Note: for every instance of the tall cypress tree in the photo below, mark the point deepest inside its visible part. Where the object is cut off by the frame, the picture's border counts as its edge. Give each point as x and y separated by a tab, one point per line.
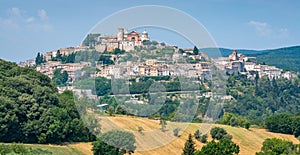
189	146
38	59
196	50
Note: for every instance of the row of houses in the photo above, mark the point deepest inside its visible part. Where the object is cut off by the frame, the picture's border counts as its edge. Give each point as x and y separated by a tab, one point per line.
72	68
266	70
248	65
154	68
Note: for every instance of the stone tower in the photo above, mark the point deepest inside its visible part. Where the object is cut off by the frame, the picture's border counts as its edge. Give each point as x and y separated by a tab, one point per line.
145	35
120	34
234	56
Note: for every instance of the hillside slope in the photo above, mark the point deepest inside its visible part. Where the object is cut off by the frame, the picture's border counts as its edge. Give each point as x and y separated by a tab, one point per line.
250	141
286	58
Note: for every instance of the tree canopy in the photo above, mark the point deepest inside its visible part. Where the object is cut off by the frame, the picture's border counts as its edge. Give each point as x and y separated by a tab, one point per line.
218	133
189	146
114	142
255	100
223	147
278	146
284	123
60	77
32	111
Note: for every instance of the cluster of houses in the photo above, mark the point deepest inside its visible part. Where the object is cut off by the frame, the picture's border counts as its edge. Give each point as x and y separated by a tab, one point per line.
153	67
73	69
124	41
248	66
232	64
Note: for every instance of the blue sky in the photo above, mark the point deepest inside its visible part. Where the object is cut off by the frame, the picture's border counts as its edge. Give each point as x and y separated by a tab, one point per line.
28	27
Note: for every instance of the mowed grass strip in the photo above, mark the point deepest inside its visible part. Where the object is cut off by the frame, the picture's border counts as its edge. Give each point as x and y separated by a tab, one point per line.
55	149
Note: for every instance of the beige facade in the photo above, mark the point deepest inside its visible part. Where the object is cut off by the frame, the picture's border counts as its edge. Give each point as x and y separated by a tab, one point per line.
123	41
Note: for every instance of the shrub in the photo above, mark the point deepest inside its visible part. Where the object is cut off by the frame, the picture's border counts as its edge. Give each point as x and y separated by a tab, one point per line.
176	132
203	138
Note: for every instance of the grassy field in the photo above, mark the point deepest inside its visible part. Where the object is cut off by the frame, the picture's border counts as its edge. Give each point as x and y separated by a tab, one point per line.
250	141
48	149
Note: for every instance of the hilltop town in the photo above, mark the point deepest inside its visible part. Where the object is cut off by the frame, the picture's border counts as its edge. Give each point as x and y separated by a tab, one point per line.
133	54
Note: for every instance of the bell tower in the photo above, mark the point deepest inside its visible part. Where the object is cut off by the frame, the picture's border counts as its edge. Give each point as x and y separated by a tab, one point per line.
145	35
120	34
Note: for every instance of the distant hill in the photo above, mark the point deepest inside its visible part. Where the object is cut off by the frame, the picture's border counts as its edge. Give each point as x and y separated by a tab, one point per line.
287	58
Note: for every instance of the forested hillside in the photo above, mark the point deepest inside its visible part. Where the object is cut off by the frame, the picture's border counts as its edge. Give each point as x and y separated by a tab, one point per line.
258	99
286	58
32	111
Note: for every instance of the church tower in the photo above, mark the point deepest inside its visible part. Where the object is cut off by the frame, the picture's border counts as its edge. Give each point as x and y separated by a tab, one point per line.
120	34
144	36
234	56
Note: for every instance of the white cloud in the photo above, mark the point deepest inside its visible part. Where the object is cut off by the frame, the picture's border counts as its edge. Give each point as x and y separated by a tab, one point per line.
264	29
15	11
30	19
9	23
19	19
43	14
284	32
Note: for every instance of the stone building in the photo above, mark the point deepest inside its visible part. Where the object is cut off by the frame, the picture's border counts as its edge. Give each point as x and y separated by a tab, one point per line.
123	40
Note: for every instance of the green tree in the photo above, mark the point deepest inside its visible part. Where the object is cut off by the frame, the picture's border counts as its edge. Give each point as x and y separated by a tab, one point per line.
223	147
103	86
114	142
197	134
154	42
218	133
70	58
189	146
247	125
227	136
42	138
60	78
296	126
195	50
4	149
163	124
106	59
203	138
39	59
278	146
102	148
176	132
19	149
110	110
118	51
121	110
32	111
234	120
281	123
59	55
